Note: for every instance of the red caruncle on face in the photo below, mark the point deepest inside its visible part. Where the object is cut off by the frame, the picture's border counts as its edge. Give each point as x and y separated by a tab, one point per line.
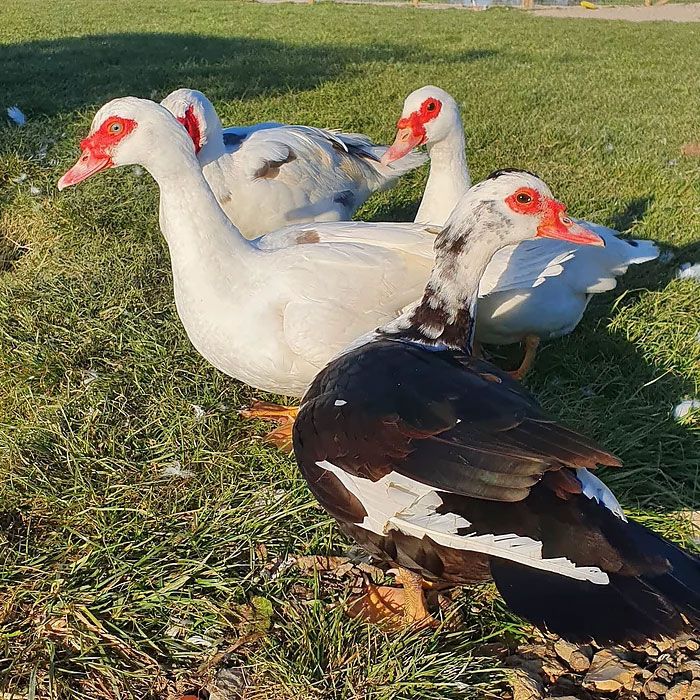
526	200
111	132
191	123
416	121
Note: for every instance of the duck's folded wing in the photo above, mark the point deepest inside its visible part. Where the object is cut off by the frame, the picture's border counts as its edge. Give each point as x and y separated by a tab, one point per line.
363	147
524	266
466	429
415	239
585	269
264	153
351	288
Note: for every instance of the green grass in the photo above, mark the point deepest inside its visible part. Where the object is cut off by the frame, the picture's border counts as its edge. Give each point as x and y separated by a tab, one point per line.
118	580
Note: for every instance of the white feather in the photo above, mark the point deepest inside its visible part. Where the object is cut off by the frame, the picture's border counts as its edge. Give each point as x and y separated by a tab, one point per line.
16	115
596	490
685	407
396	502
689	272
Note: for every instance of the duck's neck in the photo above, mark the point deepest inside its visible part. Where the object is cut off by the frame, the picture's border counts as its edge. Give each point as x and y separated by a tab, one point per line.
448	179
445	316
213	147
200	236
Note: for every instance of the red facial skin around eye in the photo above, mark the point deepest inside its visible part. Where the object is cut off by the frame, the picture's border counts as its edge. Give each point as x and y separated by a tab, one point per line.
190	122
535	206
103	140
416	121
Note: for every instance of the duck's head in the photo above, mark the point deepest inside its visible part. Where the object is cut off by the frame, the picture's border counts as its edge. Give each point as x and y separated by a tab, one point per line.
196	113
429	115
508	207
127	131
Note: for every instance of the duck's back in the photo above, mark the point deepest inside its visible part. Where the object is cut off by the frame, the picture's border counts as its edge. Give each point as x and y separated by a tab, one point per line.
276	175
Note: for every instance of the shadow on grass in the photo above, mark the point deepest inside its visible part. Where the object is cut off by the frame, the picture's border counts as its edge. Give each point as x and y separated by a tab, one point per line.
66	74
634	211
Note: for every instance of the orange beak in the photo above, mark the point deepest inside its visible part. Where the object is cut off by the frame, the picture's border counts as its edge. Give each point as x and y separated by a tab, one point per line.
404	142
87	165
556	224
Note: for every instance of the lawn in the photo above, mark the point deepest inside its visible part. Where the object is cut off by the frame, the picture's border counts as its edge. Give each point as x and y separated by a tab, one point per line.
144	527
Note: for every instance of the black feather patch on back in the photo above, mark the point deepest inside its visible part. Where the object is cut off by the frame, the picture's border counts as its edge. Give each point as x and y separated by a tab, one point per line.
506	171
438	417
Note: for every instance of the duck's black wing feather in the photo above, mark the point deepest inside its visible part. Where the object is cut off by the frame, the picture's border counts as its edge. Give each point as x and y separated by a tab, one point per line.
441	418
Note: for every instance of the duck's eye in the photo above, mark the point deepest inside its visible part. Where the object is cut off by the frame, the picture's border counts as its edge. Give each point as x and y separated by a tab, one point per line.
431	106
566	220
115	128
523	198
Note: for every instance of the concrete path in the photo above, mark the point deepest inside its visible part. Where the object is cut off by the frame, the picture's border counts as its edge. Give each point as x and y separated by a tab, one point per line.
628	13
632	13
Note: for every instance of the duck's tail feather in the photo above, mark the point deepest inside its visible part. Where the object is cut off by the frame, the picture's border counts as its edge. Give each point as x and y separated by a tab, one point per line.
628	609
626	251
389	174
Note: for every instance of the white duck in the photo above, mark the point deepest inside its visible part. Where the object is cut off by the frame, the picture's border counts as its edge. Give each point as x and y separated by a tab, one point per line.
520	303
270	175
269	312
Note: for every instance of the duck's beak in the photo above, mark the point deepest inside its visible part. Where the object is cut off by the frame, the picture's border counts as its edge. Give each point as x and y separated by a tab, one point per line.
556	224
87	165
404	142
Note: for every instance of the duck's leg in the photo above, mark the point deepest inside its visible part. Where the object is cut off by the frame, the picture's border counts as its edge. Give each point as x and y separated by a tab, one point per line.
531	344
284	416
415	611
393	607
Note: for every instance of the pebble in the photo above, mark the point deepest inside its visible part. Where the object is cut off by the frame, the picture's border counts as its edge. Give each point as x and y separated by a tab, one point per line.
526	686
655	688
574	657
680	691
609	673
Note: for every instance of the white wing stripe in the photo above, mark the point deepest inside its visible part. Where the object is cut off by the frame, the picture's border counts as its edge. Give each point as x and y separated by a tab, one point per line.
597	491
399	503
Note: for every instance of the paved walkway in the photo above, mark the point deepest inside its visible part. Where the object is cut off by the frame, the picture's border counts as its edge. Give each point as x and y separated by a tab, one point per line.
669	13
628	13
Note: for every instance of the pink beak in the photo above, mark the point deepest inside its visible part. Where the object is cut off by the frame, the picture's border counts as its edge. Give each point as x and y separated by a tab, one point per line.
556	224
88	164
404	142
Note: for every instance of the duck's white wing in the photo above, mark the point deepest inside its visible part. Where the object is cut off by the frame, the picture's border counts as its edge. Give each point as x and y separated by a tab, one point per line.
363	146
408	237
353	284
584	269
319	158
524	266
263	153
612	261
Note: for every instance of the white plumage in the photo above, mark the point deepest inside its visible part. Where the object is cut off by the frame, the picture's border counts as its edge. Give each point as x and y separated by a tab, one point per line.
396	502
270	175
538	288
273	311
